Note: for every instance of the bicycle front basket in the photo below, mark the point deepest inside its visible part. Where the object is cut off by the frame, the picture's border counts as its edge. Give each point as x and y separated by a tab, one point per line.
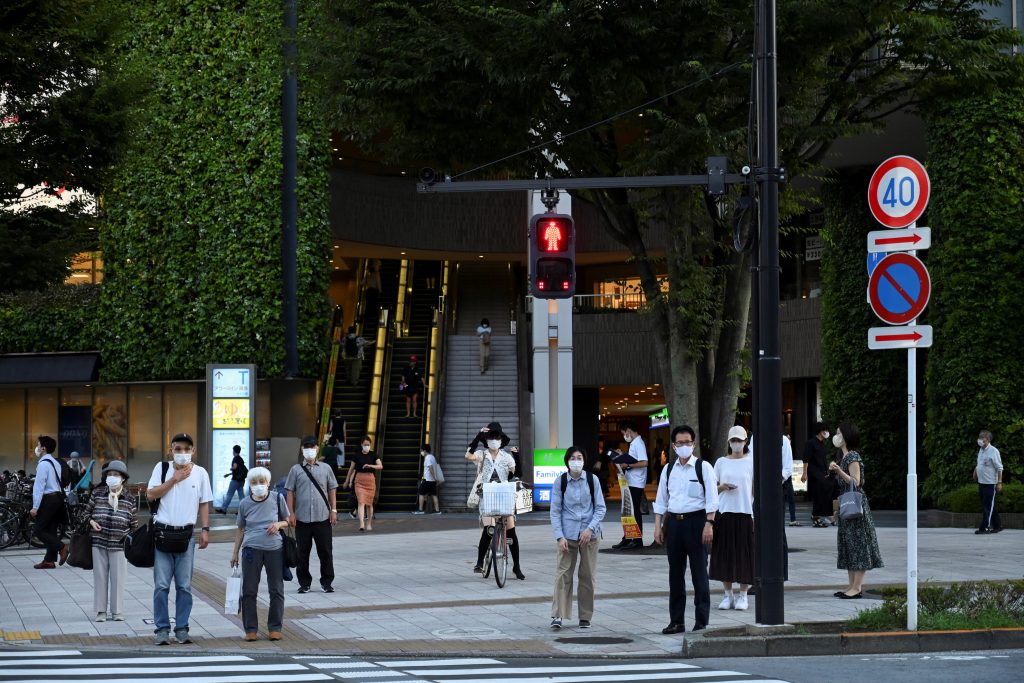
499	499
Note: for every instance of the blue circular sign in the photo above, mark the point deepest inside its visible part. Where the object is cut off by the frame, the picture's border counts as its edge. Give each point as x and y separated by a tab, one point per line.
899	288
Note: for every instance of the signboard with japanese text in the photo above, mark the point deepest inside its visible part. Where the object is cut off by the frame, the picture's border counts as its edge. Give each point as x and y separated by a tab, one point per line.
230	406
547	465
230	413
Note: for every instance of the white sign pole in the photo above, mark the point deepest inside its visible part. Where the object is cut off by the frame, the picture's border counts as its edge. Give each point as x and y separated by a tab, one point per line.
912	484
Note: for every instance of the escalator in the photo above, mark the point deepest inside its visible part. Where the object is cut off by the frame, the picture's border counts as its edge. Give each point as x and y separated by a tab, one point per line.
400	436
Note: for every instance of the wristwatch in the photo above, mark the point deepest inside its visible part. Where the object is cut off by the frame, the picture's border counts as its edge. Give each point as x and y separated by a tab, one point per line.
710	521
205	528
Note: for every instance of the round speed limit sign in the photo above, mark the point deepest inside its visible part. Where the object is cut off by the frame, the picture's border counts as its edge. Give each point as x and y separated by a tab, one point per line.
898	191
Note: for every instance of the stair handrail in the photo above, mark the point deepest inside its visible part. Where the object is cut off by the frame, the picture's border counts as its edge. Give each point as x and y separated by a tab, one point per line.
379	388
327	398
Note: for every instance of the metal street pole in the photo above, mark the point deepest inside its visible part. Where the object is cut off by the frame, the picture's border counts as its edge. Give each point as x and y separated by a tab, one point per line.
289	194
768	427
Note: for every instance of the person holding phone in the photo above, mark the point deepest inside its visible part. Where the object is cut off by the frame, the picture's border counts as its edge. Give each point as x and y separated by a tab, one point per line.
732	555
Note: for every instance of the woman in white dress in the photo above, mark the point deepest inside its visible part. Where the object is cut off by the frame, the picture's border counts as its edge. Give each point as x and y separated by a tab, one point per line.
494	463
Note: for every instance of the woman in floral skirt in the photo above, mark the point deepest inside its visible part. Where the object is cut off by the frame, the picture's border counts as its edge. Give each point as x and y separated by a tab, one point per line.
857	542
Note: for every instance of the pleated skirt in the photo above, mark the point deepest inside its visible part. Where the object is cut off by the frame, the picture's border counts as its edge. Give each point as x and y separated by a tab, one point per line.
732	550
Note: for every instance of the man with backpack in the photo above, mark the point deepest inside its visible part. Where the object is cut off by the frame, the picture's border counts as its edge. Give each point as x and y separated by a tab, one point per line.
688	502
353	347
48	507
577	508
239	471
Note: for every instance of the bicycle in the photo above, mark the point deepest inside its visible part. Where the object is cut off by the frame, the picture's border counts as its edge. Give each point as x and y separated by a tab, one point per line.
497	552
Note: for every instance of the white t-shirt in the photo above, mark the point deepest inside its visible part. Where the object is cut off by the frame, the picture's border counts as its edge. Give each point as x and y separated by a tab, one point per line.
636	475
740	473
180	505
429	462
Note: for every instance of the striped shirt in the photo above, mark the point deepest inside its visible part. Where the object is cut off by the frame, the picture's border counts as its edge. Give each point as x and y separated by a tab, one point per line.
114	524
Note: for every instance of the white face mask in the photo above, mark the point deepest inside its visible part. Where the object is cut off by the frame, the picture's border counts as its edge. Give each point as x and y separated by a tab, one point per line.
627	438
837	440
182	459
494	444
38	451
981	444
309	453
575	466
736	447
366	449
114	481
259	490
684	451
827	434
423	454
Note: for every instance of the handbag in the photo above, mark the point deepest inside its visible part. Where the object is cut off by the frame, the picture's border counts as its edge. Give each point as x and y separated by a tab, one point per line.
233	592
288	546
172	541
139	547
474	495
438	474
81	550
851	504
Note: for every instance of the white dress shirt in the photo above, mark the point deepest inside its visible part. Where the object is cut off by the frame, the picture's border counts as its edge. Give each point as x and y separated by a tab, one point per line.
787	457
636	475
683	493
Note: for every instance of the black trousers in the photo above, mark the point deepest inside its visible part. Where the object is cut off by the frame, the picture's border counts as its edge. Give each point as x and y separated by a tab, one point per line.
789	497
306	533
636	493
989	516
683	544
49	517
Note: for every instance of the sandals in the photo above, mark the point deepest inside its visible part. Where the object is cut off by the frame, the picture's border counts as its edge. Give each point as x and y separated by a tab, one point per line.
820	524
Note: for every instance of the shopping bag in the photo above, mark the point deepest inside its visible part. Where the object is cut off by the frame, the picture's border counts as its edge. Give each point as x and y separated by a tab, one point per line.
851	504
438	474
81	550
233	592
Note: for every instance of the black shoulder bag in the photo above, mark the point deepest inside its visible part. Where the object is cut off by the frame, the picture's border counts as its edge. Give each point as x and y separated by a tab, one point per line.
139	545
290	548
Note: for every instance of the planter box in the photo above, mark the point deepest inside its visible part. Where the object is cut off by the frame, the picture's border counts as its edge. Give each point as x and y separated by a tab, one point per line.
968	520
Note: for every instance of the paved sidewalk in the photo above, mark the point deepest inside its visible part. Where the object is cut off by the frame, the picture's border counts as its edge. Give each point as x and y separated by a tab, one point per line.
408	588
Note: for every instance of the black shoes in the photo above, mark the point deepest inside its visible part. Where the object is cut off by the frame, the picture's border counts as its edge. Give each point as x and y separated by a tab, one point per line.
519	575
478	569
328	589
698	627
628	544
673	629
584	623
856	596
303	589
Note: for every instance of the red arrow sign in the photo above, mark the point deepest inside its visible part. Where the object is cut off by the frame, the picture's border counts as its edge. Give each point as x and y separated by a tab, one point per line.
885	241
899	240
899	337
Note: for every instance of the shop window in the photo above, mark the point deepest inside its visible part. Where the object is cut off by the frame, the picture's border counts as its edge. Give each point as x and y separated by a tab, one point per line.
42	417
145	433
12	427
86	269
110	424
623	293
181	412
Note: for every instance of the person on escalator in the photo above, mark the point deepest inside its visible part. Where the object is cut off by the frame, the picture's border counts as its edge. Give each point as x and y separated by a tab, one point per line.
353	347
411	385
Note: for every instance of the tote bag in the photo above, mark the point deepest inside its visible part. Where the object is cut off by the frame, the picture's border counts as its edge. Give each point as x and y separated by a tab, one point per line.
851	504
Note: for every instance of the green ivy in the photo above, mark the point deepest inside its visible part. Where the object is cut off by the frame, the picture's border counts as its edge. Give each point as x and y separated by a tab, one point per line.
192	249
977	218
866	388
62	318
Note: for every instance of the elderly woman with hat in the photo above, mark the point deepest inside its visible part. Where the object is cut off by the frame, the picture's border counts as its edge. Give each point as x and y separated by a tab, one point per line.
732	554
494	463
111	517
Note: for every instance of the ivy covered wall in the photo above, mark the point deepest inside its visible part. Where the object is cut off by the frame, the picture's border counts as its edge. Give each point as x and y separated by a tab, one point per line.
975	374
867	388
192	243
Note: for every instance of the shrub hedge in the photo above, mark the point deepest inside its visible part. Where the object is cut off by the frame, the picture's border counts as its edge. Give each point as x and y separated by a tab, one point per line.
966	499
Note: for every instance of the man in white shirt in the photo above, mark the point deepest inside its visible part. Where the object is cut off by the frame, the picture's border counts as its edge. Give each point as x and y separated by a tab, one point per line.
182	492
689	508
428	484
989	475
636	477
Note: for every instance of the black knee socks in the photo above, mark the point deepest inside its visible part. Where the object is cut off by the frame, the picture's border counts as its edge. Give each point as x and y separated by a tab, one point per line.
513	544
481	549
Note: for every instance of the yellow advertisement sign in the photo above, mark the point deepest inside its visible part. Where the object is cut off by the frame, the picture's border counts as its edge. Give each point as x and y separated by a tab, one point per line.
231	413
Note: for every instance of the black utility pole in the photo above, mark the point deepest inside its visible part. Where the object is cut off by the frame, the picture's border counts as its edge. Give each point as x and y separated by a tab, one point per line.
768	376
289	194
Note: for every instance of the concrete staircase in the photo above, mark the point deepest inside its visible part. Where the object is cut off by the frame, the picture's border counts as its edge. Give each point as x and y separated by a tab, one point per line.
485	291
472	400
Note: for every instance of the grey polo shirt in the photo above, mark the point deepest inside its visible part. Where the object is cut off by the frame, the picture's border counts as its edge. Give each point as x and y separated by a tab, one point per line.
309	504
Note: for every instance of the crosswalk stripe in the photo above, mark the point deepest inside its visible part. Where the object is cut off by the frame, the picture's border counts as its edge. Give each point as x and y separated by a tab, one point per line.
242	678
135	660
85	670
330	666
551	670
40	653
422	663
601	678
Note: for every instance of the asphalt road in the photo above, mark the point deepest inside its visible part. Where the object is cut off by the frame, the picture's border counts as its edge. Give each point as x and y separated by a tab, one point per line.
175	662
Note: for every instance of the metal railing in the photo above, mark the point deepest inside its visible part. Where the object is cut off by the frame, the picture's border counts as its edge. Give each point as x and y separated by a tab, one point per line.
625	301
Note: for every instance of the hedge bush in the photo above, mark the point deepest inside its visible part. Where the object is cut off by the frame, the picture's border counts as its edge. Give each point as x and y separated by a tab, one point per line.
981	604
966	499
61	318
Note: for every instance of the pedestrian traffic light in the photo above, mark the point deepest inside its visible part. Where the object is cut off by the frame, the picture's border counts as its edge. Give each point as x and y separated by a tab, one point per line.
552	256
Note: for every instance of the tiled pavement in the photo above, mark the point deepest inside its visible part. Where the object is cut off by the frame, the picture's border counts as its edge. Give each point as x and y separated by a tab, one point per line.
413	592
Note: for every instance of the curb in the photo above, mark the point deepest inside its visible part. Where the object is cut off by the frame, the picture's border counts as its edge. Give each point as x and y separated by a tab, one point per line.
869	643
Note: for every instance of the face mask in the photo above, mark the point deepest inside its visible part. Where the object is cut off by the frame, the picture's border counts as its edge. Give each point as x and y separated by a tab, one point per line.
38	451
366	449
423	454
182	459
827	435
309	453
736	447
837	440
981	444
627	439
684	451
113	481
494	444
575	466
259	490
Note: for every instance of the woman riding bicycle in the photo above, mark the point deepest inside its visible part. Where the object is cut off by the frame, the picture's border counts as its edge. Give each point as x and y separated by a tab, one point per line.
494	464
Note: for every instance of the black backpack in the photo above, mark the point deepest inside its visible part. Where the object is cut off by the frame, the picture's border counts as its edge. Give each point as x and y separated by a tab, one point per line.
590	484
351	347
64	474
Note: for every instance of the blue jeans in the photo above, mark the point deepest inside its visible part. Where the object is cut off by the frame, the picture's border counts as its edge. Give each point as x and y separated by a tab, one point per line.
179	567
232	487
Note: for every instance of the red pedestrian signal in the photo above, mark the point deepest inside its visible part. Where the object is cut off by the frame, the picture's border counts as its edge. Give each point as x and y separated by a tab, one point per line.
552	256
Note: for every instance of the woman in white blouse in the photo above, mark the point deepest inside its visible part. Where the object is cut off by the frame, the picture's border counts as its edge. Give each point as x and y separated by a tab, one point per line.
495	464
732	554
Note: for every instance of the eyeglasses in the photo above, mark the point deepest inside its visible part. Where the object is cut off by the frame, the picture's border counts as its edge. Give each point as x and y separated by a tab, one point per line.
683	443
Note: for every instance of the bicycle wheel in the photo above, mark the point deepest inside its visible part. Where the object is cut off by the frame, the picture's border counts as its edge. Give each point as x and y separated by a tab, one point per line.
500	545
10	523
488	557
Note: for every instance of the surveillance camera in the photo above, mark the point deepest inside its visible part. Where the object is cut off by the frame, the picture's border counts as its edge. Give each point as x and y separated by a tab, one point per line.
745	170
428	175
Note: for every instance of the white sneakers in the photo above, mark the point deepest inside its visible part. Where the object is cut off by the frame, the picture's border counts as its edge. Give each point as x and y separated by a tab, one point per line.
734	601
